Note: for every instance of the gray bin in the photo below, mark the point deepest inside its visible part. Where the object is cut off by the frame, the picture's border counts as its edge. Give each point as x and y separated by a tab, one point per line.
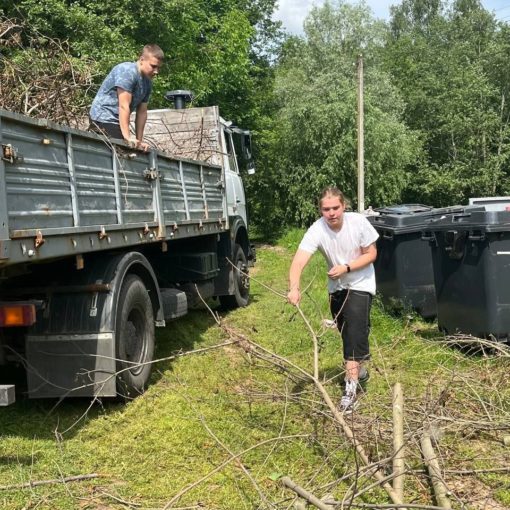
471	265
403	268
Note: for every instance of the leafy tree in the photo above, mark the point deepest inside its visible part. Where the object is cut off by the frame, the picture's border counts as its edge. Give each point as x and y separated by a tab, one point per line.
447	60
314	143
211	44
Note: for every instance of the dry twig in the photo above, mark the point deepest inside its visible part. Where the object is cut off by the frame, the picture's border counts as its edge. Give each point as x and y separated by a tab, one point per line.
38	483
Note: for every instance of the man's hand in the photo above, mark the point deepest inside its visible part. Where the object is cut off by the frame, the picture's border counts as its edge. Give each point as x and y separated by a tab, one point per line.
337	271
142	145
294	296
137	144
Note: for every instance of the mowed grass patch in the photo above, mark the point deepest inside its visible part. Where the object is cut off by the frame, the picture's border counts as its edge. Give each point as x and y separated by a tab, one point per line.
202	408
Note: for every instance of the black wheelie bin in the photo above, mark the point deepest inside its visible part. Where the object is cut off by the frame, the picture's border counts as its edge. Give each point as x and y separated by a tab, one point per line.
471	265
403	268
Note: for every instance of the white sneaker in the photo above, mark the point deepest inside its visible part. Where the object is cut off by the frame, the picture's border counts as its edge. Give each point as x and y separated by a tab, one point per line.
349	402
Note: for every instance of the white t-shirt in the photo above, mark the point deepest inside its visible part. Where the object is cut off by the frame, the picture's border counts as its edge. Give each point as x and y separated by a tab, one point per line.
343	247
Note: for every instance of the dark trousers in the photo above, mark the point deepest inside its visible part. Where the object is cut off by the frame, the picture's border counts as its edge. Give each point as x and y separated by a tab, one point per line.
106	128
351	311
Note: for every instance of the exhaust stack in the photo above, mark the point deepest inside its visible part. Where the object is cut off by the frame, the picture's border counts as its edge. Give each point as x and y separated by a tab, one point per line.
179	98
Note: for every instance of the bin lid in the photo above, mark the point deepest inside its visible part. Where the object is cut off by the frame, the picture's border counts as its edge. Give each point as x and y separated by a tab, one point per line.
473	219
406	218
404	209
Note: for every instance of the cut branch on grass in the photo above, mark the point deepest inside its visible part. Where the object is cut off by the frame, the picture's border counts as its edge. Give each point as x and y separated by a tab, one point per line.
430	458
106	494
325	395
398	440
476	471
303	493
256	348
38	483
218	468
114	375
486	346
389	506
432	407
248	475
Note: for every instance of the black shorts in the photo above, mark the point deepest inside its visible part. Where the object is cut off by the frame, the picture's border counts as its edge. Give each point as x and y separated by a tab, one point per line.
351	311
106	128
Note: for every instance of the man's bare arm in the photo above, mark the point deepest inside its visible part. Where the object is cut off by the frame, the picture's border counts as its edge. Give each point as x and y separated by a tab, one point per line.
368	255
140	121
124	111
301	259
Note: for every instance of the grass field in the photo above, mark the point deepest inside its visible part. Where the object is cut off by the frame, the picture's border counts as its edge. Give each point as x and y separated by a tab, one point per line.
242	422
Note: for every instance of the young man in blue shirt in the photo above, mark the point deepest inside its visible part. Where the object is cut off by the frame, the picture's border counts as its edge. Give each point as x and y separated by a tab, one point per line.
126	89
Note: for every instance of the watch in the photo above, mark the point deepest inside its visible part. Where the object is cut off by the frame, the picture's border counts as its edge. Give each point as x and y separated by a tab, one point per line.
348	267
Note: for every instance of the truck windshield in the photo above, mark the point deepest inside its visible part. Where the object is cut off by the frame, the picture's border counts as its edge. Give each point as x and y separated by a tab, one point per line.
231	152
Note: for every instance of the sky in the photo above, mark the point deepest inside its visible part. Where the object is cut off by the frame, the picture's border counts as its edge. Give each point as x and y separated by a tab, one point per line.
293	12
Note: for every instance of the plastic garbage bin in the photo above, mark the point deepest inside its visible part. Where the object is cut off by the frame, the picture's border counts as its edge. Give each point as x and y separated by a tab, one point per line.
471	265
403	268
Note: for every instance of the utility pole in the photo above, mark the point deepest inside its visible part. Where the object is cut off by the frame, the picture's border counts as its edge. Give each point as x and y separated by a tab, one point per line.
361	146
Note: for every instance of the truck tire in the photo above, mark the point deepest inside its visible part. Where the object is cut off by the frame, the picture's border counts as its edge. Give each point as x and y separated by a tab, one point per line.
134	338
241	282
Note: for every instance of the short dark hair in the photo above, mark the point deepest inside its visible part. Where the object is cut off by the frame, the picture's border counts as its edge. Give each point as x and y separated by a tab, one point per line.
154	50
332	191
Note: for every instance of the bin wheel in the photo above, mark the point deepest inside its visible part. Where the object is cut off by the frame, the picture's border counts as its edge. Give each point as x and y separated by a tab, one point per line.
134	338
241	281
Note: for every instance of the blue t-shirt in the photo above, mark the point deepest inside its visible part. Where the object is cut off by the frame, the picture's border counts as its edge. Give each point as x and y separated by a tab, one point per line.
105	107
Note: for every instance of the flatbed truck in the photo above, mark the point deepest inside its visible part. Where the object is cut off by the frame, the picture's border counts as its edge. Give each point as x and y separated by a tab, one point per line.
101	243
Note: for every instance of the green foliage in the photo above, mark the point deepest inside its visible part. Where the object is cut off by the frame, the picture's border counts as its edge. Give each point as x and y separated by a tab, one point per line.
211	47
315	144
446	60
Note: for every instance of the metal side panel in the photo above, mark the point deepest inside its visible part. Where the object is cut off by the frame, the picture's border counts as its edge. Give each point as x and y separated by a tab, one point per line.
95	181
69	192
213	191
37	185
71	365
136	191
174	208
194	194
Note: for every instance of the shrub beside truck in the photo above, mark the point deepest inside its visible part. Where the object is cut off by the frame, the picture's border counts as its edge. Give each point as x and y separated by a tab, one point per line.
101	243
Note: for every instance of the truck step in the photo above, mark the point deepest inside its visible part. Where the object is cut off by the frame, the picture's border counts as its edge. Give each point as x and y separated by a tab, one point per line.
175	303
7	396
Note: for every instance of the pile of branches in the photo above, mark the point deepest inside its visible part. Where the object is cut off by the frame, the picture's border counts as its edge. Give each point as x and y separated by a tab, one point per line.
440	446
41	77
423	442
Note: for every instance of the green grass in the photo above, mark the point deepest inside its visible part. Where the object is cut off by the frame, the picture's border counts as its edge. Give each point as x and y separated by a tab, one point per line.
146	451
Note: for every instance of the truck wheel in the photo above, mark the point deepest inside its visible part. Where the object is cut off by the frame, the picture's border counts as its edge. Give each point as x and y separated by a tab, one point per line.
134	337
241	282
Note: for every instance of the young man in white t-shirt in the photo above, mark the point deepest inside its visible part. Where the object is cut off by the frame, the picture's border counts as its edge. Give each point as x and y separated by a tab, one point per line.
347	242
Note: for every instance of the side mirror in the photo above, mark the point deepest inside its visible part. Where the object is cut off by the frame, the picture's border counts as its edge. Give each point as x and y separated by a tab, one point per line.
246	146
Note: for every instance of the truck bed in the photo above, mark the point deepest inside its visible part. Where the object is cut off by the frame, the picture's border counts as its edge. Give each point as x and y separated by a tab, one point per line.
66	192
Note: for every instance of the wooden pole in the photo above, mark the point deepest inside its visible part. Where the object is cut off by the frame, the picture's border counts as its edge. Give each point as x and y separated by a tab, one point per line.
398	440
316	502
361	146
430	458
